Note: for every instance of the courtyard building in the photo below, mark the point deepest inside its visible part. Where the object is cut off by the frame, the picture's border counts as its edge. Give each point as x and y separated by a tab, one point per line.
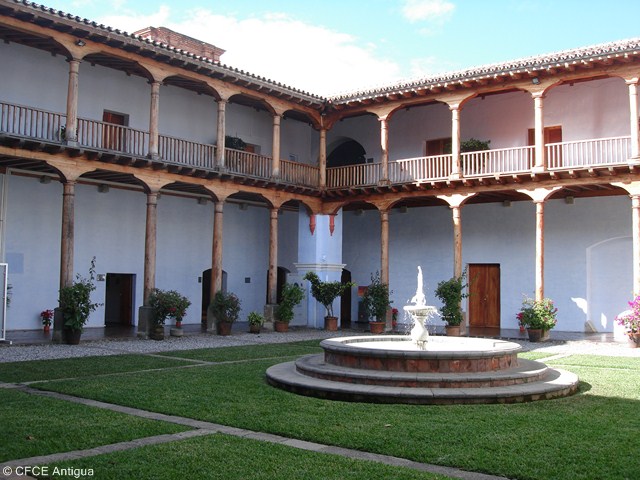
176	171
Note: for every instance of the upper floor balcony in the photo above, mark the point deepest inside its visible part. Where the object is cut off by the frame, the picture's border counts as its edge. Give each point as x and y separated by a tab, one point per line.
45	130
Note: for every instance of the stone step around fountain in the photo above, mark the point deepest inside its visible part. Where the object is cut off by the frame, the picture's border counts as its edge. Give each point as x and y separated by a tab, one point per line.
526	371
553	383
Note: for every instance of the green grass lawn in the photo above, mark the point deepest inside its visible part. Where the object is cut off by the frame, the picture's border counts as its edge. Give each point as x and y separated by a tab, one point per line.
32	425
590	435
230	458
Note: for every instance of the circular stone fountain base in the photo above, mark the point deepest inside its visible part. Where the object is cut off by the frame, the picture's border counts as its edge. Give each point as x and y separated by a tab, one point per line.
392	369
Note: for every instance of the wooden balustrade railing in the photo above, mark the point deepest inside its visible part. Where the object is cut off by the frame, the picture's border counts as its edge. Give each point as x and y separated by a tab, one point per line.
108	136
186	152
585	153
502	160
354	175
31	122
299	173
50	126
246	163
435	167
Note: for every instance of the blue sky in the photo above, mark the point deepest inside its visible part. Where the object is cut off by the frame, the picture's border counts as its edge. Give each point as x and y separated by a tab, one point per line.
332	46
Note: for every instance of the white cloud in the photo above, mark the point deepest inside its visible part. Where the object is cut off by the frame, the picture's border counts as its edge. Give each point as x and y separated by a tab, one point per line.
277	46
429	10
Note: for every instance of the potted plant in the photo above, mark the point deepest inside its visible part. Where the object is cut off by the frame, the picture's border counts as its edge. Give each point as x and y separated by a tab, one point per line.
325	293
46	316
76	306
226	309
292	295
451	292
166	304
255	322
630	320
376	303
539	316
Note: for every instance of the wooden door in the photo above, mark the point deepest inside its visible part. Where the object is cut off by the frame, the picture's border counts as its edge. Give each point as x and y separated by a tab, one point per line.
484	295
113	134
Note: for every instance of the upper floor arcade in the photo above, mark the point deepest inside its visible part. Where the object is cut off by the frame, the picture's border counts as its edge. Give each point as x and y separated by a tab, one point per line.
86	91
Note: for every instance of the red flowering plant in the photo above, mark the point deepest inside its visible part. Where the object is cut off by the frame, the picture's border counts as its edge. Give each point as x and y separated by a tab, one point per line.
394	317
630	319
47	317
538	314
168	303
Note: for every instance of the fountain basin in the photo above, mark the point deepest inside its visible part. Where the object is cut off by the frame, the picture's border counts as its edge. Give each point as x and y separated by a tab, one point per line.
393	369
401	354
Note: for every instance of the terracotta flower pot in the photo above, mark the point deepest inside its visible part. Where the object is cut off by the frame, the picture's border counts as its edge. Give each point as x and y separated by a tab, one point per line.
634	340
377	327
224	328
254	328
72	337
331	324
281	327
157	332
46	328
452	330
537	334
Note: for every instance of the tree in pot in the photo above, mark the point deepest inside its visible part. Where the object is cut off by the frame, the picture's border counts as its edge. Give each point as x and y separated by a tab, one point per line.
226	310
292	295
166	304
325	293
255	322
451	292
376	303
76	306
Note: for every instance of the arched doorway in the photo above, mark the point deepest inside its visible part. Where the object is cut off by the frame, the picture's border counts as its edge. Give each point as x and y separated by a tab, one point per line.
346	153
345	301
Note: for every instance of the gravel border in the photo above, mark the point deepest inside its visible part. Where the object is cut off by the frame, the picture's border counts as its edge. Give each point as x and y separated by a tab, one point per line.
20	353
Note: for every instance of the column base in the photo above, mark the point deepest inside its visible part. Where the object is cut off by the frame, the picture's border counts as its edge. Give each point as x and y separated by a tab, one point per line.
58	326
269	316
455	176
538	169
145	320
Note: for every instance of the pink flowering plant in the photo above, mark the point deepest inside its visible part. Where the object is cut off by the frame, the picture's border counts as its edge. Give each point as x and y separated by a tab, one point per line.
630	319
538	314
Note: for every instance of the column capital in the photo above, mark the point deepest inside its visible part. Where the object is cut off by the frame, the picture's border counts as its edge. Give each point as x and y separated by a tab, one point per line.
540	194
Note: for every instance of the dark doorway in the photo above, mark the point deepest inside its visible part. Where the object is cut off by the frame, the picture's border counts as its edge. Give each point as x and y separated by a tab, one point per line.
345	301
119	299
206	292
112	131
347	153
281	280
484	297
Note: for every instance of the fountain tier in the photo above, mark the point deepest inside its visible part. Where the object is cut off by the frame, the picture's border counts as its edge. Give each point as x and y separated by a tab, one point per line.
393	369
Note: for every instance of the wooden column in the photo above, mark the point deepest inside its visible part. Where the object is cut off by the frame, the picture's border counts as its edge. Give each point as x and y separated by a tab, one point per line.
635	235
384	255
71	128
272	280
222	108
540	161
153	119
275	165
539	249
150	246
456	167
633	118
384	145
322	158
216	266
457	240
67	243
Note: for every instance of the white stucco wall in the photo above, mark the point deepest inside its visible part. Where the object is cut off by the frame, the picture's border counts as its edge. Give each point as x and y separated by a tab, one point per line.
185	114
33	77
493	233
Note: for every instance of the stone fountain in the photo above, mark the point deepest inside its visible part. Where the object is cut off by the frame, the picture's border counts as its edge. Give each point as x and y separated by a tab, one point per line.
419	369
420	313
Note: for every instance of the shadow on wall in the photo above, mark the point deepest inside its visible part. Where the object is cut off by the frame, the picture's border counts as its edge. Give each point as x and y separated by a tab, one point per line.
609	281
